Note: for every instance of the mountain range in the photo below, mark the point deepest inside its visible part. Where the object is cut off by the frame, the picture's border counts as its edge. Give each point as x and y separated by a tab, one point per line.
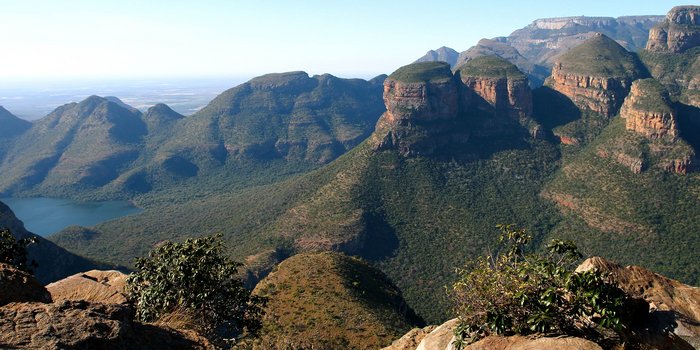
410	171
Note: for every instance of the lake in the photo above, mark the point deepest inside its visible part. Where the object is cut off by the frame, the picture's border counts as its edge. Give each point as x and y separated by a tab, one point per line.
45	216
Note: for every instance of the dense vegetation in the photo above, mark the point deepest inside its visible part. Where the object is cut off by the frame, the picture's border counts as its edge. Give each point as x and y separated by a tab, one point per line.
423	72
601	56
489	67
13	251
194	280
331	301
511	292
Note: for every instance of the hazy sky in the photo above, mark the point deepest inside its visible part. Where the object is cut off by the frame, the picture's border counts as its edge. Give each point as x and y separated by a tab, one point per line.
75	39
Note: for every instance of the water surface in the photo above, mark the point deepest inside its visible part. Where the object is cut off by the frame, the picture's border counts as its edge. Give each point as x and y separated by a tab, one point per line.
45	216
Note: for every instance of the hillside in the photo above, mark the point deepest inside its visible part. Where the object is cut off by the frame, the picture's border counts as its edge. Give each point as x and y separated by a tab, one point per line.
12	125
54	262
431	175
331	301
261	131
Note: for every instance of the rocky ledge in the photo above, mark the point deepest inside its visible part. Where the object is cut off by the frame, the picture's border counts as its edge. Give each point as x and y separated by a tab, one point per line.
678	32
596	75
647	110
500	84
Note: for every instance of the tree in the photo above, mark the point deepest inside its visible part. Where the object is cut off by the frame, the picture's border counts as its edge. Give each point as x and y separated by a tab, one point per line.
14	251
195	278
516	293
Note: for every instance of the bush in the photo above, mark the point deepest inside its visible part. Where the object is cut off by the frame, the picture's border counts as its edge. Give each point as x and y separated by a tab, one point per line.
194	279
14	251
515	293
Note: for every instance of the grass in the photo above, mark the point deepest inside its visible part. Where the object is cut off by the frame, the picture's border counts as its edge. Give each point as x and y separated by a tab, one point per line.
653	96
490	67
601	56
423	72
331	301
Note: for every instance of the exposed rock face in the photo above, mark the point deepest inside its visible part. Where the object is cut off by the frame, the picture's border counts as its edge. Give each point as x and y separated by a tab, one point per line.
441	338
443	54
596	76
83	325
499	83
19	286
421	99
94	286
675	305
679	31
411	339
648	112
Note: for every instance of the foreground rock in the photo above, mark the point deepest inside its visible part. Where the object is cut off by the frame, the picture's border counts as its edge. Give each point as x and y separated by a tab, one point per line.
678	32
94	286
675	306
84	325
17	285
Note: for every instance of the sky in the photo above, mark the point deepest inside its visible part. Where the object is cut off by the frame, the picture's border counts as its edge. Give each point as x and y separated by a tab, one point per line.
127	39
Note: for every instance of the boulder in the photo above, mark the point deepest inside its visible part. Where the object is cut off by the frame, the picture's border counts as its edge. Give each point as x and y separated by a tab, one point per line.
94	286
84	325
19	286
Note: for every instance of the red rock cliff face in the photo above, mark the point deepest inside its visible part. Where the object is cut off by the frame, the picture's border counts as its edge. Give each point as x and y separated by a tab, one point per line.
649	122
602	95
422	101
509	97
679	32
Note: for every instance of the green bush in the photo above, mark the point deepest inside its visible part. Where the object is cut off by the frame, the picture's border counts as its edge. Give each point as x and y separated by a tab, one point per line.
14	251
516	293
194	278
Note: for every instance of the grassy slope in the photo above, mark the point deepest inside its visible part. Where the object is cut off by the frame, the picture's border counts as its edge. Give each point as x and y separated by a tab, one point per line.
490	66
331	301
601	56
422	72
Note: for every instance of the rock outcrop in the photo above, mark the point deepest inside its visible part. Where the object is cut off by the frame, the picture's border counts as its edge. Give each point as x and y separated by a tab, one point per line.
500	84
84	325
596	75
411	339
19	286
95	286
675	305
647	110
678	32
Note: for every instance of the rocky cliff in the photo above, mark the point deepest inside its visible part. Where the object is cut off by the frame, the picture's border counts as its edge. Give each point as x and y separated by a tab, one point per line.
674	306
500	84
647	110
678	32
596	75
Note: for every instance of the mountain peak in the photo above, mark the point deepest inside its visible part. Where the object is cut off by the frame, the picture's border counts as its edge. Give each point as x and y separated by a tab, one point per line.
599	56
490	67
161	110
678	32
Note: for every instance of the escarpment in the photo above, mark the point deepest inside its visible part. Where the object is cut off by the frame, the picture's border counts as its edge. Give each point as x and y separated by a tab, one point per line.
500	84
596	76
678	32
430	110
647	111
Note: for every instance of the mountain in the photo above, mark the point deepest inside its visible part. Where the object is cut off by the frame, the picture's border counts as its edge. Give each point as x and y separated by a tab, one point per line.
263	130
488	47
678	32
534	48
331	301
432	176
12	125
79	145
54	262
443	54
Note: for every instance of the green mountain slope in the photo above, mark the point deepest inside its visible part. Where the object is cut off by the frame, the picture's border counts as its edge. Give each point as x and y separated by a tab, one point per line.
331	301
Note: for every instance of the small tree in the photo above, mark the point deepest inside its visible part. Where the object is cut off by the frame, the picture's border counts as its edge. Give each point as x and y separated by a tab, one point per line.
195	278
14	251
515	293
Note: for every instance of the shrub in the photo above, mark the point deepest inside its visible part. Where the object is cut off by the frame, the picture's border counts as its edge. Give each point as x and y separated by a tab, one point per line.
515	293
14	251
194	279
